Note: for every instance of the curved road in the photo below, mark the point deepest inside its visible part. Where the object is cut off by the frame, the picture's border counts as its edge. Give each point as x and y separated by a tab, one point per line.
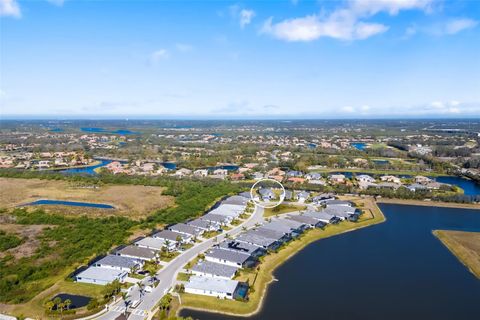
168	274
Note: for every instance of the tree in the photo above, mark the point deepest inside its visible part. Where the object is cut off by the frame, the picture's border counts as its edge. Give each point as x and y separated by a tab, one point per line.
67	303
49	305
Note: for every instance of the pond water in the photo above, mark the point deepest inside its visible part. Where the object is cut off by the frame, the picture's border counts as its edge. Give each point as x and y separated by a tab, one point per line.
70	203
394	270
359	145
77	301
225	167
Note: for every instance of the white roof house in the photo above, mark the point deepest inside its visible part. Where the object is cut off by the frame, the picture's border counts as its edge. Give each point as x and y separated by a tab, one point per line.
101	276
118	262
214	287
154	244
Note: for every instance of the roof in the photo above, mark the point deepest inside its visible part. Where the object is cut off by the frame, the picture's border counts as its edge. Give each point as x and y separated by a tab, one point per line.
266	192
303	219
238	246
199	223
212	284
319	215
270	233
217	269
230	210
338	203
103	274
215	218
117	261
237	200
139	252
292	224
168	235
245	195
185	228
155	243
303	194
228	255
255	238
277	226
340	211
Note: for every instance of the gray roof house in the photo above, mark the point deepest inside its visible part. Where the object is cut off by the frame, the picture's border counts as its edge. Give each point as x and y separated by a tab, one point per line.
296	226
329	203
214	287
266	194
213	269
101	276
217	218
322	198
251	249
237	200
186	229
288	195
245	194
228	257
155	244
321	216
273	234
341	212
277	226
138	253
204	225
312	222
302	195
230	210
118	263
257	239
172	236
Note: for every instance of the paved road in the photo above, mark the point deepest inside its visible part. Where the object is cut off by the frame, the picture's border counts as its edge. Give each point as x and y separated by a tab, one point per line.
168	274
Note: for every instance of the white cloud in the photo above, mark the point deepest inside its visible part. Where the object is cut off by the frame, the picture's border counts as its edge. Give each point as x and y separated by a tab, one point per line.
457	25
246	17
338	26
348	109
183	47
344	23
159	55
392	7
10	8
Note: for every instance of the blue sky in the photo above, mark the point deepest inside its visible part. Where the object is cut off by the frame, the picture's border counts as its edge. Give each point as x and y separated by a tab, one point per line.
324	59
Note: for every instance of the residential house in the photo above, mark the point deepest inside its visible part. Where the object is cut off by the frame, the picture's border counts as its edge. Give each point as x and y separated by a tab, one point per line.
172	236
311	222
118	263
204	225
186	229
256	238
200	173
322	198
137	253
392	179
302	196
102	276
155	244
215	287
217	219
214	270
233	245
266	194
229	257
337	178
322	216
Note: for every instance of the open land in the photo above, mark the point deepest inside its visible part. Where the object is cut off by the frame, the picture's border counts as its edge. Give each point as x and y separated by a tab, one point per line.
130	201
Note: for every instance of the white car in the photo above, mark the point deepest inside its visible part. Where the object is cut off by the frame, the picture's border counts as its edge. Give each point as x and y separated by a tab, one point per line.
148	289
135	304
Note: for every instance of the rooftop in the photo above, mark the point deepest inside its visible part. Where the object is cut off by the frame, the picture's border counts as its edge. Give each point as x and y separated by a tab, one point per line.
212	284
117	261
217	269
104	274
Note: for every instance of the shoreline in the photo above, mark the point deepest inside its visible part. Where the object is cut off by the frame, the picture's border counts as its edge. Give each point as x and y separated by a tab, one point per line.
293	248
429	203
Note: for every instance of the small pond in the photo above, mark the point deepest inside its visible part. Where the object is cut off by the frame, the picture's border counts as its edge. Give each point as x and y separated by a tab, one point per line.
70	203
77	301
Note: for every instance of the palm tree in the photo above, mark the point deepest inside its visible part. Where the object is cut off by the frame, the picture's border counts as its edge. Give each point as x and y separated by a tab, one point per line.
125	298
57	301
49	305
141	287
67	303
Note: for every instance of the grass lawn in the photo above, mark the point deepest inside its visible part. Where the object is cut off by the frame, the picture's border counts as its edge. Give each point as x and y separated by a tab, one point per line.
210	234
464	245
169	257
270	262
35	307
183	276
283	208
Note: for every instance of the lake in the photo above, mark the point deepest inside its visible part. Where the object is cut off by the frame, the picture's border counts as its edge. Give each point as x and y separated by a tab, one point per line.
394	270
102	130
88	170
69	203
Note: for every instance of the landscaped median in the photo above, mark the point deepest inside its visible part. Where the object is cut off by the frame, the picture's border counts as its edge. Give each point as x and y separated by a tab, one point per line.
262	276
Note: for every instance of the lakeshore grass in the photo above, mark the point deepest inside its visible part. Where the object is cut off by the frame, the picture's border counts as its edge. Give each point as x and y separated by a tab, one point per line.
464	245
261	277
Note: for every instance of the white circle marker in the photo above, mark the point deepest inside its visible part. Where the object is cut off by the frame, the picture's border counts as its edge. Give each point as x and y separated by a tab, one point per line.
266	205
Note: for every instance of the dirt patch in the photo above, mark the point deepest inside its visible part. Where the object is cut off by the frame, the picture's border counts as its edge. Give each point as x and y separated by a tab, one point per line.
132	201
27	232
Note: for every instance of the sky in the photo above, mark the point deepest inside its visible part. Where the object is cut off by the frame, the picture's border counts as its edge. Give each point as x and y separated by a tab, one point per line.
245	59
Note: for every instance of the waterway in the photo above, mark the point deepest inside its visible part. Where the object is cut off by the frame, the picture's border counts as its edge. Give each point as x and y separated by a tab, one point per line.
394	270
